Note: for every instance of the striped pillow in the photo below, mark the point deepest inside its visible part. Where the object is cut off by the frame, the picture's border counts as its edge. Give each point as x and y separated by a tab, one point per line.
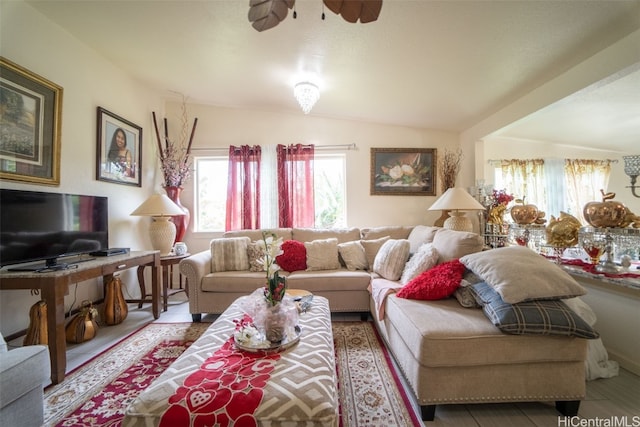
229	254
391	259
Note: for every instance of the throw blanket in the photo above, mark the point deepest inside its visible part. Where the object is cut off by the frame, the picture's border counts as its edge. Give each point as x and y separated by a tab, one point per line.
380	289
226	390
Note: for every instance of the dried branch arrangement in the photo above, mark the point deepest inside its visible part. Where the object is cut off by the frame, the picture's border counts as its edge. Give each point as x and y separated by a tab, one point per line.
448	168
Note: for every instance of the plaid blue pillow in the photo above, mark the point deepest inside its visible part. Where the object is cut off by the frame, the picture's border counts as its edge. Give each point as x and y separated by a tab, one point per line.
537	317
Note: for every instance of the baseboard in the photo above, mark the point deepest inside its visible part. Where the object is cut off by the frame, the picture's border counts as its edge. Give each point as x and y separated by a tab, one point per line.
632	366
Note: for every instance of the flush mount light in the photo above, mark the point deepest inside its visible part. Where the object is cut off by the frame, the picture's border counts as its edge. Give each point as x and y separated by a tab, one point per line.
307	95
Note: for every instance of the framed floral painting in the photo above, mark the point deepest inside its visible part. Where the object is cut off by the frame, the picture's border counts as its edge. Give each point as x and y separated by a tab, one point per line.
119	153
30	123
403	171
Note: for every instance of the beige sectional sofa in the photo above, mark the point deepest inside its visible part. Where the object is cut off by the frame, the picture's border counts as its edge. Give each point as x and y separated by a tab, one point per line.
449	354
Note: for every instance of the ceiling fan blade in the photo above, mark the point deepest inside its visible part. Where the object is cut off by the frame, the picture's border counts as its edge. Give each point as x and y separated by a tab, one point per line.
265	14
370	10
352	10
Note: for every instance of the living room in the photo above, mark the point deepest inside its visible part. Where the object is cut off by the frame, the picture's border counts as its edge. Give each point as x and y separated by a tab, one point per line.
90	80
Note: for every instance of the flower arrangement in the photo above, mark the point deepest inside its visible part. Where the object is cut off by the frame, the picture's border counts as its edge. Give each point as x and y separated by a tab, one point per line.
501	197
276	285
175	158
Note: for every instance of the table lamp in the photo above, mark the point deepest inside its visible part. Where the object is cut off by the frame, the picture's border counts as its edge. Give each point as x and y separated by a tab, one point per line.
161	231
457	199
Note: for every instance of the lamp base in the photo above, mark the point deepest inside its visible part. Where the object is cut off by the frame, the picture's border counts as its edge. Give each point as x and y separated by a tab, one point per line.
458	222
162	233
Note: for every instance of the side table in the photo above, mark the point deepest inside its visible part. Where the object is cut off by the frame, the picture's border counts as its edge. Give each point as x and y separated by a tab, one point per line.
166	263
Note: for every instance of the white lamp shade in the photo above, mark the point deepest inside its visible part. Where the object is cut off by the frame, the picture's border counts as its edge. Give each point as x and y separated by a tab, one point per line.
158	205
162	232
456	198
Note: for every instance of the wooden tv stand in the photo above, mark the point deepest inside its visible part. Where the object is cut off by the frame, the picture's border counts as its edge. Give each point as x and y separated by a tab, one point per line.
54	286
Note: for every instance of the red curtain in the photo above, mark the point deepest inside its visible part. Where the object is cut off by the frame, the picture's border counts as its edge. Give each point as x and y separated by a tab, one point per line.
295	186
243	188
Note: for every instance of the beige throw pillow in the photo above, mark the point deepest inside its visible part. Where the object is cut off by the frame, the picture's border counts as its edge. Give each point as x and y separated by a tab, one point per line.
229	254
425	258
371	248
452	244
255	252
519	274
420	235
352	253
391	258
322	254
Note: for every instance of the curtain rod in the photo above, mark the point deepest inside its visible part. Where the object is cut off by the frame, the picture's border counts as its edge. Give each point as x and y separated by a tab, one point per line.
499	161
317	147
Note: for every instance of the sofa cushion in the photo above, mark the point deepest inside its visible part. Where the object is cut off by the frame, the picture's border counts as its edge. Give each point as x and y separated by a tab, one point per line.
434	284
424	259
519	274
464	294
393	231
442	333
352	254
229	254
255	252
371	248
452	244
322	254
329	280
420	235
311	234
391	259
539	317
294	256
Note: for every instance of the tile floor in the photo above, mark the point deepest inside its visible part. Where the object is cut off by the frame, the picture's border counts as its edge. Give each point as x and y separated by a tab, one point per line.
612	401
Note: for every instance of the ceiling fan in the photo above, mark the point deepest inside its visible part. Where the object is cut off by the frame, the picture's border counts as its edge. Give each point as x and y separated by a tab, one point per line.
265	14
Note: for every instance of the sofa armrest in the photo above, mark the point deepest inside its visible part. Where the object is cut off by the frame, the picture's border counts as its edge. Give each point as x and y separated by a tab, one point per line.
22	370
195	268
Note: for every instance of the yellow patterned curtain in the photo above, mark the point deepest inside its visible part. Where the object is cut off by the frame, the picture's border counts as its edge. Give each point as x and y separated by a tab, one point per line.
525	178
584	180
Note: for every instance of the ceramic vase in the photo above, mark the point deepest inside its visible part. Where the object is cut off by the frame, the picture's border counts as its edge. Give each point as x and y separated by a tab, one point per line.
181	221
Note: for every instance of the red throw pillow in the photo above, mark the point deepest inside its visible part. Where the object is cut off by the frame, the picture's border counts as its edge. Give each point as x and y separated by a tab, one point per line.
438	282
294	257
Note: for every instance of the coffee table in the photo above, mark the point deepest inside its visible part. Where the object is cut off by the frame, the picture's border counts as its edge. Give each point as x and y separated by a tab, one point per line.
302	389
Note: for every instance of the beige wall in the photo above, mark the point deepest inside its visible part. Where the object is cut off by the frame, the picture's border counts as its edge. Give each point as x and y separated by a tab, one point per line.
221	127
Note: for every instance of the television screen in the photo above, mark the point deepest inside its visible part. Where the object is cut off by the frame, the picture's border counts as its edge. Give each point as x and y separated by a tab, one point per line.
36	226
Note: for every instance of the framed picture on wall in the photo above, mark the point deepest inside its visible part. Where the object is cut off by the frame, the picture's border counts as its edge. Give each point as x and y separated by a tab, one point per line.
119	154
30	121
403	171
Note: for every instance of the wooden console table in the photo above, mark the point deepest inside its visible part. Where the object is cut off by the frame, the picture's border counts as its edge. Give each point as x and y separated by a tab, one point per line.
54	286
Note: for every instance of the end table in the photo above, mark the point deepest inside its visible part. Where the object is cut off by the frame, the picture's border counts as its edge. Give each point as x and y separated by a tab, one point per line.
167	263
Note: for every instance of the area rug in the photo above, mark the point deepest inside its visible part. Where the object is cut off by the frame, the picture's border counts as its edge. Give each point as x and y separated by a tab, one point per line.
98	392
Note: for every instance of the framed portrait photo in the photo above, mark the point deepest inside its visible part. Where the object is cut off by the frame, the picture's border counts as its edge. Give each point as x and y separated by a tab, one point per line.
30	123
119	153
403	171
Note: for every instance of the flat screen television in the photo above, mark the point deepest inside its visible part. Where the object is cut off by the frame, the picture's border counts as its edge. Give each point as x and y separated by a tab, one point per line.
38	226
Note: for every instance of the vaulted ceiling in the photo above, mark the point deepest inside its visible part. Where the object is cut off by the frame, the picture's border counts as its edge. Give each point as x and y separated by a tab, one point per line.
429	64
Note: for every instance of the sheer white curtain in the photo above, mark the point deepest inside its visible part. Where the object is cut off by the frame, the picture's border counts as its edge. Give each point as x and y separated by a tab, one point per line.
525	179
554	182
584	180
269	188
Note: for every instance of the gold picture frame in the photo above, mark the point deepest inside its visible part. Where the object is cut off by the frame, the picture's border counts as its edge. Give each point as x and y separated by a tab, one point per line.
403	171
31	122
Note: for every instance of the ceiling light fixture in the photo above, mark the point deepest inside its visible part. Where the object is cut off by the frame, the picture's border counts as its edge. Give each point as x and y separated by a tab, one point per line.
632	168
307	95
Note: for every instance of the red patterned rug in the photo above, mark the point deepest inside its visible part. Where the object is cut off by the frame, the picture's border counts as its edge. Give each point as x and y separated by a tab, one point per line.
97	393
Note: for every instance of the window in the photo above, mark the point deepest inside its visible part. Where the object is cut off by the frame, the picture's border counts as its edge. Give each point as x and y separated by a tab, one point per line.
554	185
210	182
210	193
